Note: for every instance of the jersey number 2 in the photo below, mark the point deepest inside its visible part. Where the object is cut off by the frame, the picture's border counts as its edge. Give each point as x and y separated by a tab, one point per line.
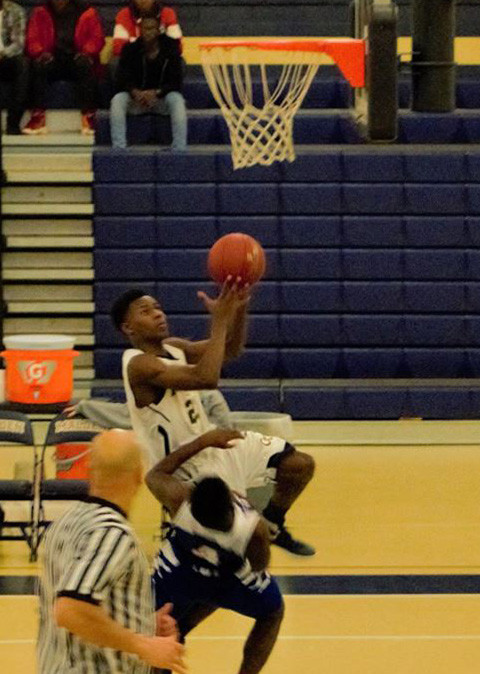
192	414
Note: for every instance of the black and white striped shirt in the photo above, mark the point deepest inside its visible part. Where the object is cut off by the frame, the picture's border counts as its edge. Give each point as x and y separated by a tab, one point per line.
92	554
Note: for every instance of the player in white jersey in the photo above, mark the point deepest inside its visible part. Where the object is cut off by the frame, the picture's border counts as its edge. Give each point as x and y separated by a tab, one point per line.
216	552
163	376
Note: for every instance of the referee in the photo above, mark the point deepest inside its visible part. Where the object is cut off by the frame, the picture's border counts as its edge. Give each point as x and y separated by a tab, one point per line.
96	604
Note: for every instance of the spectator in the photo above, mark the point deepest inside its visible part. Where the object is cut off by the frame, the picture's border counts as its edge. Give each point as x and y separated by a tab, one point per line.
128	19
13	64
149	79
64	40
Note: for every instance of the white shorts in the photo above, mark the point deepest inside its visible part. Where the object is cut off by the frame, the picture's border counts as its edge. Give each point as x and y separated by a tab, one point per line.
248	463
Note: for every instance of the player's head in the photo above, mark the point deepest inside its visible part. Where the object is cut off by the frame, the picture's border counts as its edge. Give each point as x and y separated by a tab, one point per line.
212	505
139	317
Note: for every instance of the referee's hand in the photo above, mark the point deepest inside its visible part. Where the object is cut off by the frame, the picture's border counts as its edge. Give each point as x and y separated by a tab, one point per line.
163	652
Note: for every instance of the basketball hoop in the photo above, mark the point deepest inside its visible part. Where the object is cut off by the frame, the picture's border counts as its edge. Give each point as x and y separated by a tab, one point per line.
260	118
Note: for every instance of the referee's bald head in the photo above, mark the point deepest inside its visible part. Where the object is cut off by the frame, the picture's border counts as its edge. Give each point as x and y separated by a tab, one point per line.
115	457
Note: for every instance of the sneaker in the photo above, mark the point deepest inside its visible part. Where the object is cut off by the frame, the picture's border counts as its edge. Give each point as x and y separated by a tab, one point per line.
88	123
37	124
286	541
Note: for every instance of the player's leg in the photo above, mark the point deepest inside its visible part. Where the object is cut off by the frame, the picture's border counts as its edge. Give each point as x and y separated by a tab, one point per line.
294	470
260	460
260	599
260	642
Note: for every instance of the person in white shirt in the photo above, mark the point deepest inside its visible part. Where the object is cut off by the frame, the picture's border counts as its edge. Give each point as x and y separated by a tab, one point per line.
163	376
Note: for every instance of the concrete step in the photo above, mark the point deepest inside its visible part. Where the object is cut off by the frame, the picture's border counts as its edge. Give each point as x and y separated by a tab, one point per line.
84	373
48	292
48	162
36	242
84	360
47	195
41	227
48	325
47	260
26	307
49	177
72	139
60	274
47	209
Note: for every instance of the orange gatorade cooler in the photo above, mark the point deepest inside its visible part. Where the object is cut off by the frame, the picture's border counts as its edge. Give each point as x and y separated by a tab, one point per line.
73	461
39	369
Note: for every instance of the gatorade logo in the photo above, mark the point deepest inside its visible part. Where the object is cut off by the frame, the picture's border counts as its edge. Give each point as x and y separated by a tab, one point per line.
37	372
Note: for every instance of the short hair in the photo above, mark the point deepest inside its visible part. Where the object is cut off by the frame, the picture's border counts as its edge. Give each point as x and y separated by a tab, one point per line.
122	304
211	502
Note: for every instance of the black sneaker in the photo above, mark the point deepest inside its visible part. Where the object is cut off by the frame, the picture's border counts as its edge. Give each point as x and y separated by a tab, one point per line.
287	542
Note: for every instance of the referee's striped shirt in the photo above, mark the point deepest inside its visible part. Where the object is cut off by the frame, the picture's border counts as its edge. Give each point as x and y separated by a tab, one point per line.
92	554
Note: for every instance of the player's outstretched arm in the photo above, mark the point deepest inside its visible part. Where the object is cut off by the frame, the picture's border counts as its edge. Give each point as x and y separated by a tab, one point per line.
159	479
147	370
236	329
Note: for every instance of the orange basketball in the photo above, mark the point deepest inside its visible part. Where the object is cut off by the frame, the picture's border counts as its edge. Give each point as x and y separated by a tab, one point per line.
235	255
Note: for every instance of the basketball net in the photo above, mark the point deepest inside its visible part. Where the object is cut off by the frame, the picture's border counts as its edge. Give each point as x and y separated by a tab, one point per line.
261	131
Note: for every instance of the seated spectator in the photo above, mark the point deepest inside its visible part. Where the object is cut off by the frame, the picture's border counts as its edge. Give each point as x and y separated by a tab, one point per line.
13	64
149	80
127	23
64	40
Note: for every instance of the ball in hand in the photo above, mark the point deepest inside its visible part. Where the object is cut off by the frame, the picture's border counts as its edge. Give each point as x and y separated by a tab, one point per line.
236	255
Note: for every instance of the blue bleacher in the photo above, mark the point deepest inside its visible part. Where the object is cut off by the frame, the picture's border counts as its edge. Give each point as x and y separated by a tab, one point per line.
372	270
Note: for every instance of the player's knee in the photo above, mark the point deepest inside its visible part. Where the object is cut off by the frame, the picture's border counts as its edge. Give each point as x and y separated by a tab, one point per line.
298	465
275	617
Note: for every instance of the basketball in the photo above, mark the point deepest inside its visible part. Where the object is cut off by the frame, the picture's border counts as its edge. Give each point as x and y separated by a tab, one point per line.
235	255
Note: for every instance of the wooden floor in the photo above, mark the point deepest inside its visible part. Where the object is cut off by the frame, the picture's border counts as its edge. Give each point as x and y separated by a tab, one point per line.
391	501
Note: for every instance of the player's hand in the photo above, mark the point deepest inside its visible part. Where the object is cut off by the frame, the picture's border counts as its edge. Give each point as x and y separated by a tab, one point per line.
222	438
162	652
166	624
70	411
233	294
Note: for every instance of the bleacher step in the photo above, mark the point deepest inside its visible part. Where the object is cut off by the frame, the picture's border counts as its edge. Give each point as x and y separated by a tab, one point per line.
47	260
39	194
47	209
48	325
48	162
48	292
46	177
48	241
48	140
57	307
40	227
60	274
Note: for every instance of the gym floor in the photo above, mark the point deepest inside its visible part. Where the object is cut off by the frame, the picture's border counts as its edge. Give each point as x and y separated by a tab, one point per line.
394	587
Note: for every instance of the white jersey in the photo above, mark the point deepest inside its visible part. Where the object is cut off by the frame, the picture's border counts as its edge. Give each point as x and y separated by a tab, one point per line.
177	418
206	551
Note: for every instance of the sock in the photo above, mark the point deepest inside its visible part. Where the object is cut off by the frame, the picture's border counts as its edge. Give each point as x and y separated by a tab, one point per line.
275	517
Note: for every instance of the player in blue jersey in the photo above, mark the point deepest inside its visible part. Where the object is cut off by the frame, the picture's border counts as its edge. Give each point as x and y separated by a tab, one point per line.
216	552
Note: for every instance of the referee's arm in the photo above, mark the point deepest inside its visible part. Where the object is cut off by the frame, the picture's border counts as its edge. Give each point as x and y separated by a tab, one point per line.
100	561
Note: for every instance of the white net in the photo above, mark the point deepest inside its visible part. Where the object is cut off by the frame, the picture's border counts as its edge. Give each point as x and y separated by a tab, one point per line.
258	101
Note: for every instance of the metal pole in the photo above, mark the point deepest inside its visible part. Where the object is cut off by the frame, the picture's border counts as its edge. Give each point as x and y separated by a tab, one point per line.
433	66
3	180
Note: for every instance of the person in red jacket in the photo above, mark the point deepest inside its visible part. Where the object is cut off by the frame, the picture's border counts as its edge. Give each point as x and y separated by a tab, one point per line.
64	39
128	19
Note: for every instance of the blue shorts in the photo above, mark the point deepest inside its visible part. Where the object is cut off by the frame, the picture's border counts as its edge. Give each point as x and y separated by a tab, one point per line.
185	588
